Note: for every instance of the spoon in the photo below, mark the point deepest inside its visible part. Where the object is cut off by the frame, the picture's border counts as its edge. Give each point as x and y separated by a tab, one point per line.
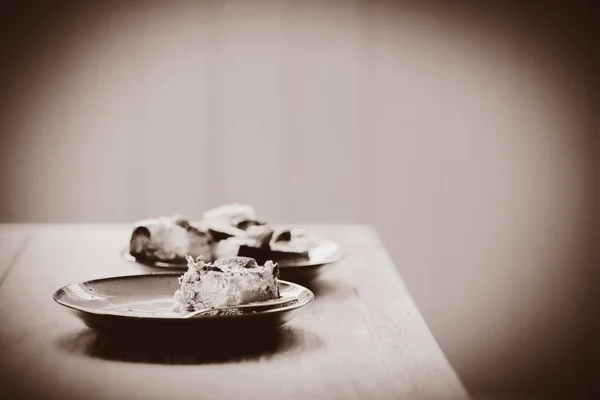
259	306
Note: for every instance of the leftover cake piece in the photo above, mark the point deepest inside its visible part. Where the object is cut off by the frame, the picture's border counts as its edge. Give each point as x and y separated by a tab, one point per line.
228	281
230	211
245	223
257	236
239	216
239	232
261	234
169	239
262	254
264	243
285	245
221	230
230	247
293	240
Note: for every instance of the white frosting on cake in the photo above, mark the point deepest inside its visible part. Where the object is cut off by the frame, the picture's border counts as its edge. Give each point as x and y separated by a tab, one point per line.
230	212
300	241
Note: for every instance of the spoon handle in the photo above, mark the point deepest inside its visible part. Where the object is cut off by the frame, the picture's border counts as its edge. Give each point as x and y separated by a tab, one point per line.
262	306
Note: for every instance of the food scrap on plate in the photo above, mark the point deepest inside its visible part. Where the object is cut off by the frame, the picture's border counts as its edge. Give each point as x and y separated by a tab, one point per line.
227	282
169	239
226	231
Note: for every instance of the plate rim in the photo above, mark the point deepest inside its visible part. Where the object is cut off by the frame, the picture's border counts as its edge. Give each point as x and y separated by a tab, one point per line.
96	312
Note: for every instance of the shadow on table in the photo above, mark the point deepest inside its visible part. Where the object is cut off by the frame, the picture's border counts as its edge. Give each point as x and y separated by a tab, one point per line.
329	288
210	349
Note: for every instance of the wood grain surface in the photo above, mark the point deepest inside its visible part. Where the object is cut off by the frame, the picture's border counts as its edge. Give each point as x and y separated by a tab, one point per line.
13	239
363	336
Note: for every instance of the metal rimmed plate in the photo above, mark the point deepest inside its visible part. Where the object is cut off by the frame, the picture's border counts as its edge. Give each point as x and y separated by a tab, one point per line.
328	252
142	305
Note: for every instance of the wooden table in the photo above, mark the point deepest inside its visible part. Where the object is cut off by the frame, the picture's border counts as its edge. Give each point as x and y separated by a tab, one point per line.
361	338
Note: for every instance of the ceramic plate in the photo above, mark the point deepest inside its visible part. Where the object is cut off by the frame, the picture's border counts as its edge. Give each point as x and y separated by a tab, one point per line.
328	252
142	305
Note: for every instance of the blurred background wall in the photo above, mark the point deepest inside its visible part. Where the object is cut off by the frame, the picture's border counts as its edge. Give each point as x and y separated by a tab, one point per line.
463	131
